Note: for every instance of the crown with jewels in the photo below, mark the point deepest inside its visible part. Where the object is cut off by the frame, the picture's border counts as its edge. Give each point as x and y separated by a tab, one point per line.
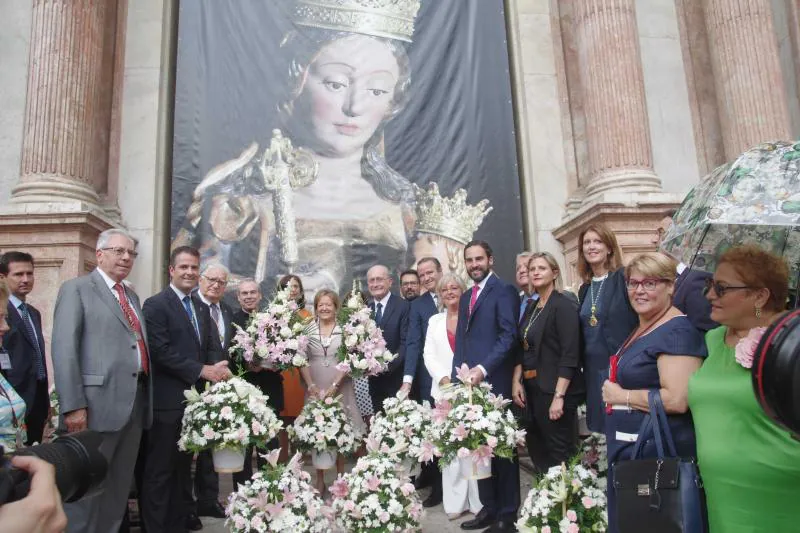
452	217
393	19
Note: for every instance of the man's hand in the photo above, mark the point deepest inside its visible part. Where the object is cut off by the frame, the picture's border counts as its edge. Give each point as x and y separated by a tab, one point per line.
405	389
40	511
475	375
77	420
216	372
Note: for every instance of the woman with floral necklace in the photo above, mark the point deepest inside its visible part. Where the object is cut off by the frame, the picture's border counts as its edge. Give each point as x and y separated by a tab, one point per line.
321	376
750	466
606	316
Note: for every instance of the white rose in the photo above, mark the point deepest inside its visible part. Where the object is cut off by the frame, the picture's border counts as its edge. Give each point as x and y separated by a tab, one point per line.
298	361
361	364
286	332
350	341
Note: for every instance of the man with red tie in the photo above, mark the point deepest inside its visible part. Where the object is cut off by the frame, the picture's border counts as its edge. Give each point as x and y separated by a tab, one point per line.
486	341
101	366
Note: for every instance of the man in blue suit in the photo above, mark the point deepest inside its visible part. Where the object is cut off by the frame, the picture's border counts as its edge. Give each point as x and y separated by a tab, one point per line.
415	374
391	315
486	341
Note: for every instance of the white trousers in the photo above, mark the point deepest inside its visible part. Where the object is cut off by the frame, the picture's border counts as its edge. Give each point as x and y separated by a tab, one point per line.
459	494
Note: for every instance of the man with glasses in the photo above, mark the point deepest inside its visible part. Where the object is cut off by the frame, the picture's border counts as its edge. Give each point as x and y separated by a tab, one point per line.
409	284
213	281
101	366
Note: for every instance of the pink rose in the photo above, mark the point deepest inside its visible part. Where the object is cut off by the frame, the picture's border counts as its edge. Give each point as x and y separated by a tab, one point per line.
587	502
572	516
460	432
340	489
746	347
491	440
546	529
573	528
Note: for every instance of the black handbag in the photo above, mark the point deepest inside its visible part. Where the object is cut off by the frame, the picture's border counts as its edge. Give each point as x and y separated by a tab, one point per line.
660	495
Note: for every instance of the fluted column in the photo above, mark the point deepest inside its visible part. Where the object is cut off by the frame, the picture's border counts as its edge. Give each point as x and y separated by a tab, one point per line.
747	73
65	145
612	86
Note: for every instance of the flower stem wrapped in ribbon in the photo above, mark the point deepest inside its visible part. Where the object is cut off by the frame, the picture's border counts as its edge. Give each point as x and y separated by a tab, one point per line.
276	337
363	349
471	421
228	414
278	499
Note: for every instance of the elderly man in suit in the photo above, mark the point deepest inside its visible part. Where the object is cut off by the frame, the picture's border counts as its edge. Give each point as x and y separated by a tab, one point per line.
184	346
101	366
486	341
26	369
391	315
213	280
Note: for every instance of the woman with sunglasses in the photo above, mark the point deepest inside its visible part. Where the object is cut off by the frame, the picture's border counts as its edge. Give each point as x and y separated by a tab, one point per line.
750	466
660	354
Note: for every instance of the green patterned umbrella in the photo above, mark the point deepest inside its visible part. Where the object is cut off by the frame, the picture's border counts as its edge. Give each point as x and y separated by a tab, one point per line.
755	199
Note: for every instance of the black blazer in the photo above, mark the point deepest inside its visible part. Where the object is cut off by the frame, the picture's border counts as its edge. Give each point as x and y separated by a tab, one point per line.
615	298
227	319
394	323
554	336
21	350
268	381
176	352
689	298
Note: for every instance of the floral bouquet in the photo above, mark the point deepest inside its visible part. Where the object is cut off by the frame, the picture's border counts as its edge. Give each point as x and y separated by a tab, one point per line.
594	455
280	498
567	500
363	350
275	338
402	432
324	426
472	422
228	414
374	497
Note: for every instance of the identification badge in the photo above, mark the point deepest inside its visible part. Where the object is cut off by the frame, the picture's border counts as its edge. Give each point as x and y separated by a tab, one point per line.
5	361
626	437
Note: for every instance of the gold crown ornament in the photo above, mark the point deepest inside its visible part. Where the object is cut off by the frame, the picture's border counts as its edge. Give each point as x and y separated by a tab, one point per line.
452	218
393	19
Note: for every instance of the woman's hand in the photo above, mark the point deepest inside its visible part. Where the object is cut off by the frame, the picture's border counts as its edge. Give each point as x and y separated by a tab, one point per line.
315	392
331	391
518	393
556	408
613	394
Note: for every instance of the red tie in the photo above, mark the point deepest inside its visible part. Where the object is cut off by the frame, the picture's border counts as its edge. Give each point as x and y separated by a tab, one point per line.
136	326
473	298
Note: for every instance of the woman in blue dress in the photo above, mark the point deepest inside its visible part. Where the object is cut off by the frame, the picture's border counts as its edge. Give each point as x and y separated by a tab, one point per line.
661	354
606	316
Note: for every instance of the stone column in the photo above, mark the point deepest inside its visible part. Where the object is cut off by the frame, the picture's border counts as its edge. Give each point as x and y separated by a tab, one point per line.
612	86
65	145
747	72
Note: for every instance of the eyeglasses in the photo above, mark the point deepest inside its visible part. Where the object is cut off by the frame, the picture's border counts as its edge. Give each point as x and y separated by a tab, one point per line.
119	251
216	281
376	280
720	289
410	284
648	284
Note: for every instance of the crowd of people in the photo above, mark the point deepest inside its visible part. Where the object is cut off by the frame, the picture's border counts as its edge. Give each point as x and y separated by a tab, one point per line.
637	329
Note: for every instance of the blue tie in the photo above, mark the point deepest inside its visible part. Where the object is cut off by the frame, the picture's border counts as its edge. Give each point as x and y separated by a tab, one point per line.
187	304
41	373
378	313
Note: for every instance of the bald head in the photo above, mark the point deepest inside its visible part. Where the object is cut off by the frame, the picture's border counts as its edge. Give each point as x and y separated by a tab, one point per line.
379	281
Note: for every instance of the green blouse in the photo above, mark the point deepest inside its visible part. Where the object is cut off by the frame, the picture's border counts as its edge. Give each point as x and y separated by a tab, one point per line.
749	465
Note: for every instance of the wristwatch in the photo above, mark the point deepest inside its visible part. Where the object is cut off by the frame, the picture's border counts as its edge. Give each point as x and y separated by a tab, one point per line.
559	395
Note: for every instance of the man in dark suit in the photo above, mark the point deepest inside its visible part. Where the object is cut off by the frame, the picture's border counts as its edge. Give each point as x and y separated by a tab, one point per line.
269	381
416	379
184	347
689	294
26	368
391	315
213	280
486	341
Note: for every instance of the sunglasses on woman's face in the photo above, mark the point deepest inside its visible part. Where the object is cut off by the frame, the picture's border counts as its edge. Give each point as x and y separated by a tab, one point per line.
720	289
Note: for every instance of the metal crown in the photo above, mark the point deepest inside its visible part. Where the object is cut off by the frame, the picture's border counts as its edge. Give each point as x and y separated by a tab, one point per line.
393	19
452	217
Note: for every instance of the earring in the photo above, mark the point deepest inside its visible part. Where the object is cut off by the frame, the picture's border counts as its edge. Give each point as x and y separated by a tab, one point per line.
758	312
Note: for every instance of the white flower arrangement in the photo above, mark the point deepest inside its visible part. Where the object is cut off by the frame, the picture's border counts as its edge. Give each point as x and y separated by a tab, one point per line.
228	414
363	349
277	337
323	425
375	497
471	421
566	500
402	431
278	499
594	455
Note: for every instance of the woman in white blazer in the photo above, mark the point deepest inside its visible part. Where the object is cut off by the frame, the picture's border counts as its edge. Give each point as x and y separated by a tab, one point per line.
459	495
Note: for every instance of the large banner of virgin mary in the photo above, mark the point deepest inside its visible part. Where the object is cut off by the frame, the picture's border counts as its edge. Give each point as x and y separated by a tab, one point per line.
321	137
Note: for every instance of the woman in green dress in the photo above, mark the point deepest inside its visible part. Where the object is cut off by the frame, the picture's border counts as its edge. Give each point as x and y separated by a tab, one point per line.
750	466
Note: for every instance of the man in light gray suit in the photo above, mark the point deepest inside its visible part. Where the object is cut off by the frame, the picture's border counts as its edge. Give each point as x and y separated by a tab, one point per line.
102	374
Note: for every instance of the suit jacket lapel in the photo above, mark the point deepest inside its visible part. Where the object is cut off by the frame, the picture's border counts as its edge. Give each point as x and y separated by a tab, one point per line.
389	309
108	299
15	321
37	327
490	283
200	317
542	320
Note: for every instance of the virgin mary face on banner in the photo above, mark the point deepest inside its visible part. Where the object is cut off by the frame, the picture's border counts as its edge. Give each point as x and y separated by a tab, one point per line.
321	200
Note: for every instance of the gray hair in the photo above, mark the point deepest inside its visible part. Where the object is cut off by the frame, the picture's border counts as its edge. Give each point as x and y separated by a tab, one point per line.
104	237
524	255
448	278
218	266
247	280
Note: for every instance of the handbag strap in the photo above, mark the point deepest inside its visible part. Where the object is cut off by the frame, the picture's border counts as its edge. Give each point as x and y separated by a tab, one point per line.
644	432
660	423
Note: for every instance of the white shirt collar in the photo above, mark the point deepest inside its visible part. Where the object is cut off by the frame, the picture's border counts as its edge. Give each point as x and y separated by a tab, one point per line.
482	284
110	282
180	294
205	300
681	267
384	300
16	302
